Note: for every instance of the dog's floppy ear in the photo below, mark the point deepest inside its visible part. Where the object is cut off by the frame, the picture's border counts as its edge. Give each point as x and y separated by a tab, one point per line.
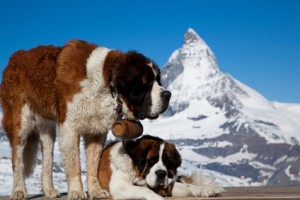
113	59
176	157
138	153
173	157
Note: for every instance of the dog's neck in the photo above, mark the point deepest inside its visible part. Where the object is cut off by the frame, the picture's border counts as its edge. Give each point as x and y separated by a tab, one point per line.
109	67
109	77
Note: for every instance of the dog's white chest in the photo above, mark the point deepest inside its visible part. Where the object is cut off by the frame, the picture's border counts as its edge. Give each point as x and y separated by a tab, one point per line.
92	112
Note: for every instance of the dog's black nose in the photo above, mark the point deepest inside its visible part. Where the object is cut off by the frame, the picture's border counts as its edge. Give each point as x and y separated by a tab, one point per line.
161	174
166	95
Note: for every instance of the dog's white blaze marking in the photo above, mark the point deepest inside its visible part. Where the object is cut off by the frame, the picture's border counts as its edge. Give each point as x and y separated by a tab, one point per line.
151	66
151	178
156	99
161	150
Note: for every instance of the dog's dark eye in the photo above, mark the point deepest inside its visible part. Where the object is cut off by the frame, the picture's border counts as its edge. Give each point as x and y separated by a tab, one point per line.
149	84
152	161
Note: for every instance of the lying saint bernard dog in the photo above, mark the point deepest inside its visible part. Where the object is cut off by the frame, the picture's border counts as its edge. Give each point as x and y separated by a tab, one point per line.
146	168
76	90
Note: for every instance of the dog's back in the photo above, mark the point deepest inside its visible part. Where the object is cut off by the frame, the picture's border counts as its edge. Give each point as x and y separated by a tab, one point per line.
27	78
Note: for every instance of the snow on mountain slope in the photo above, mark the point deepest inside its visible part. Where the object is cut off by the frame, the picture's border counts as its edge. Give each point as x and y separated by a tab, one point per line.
205	100
291	114
285	116
198	121
292	110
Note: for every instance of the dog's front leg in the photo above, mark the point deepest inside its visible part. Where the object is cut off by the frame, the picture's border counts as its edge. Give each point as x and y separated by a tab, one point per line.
69	145
93	147
121	188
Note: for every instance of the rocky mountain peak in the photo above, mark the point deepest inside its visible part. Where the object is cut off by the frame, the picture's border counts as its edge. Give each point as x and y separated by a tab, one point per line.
189	71
192	37
194	60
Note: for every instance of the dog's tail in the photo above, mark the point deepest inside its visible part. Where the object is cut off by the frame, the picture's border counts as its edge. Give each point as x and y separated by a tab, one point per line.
30	153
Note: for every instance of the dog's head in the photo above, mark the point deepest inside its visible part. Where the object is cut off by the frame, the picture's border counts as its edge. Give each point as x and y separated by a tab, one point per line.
156	161
137	82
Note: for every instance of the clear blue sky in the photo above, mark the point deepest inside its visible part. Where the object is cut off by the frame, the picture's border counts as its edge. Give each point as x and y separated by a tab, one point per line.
256	41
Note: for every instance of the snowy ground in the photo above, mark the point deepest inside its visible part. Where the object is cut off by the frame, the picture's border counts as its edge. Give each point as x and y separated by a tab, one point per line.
33	183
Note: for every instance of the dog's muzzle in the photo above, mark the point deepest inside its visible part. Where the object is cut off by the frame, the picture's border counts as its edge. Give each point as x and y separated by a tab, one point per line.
161	176
166	96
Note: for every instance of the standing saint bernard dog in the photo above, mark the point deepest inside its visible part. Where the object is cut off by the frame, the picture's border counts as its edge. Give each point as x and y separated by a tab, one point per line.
76	90
146	168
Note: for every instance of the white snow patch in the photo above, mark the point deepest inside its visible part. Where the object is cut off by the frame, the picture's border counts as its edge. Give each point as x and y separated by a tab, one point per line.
291	176
217	144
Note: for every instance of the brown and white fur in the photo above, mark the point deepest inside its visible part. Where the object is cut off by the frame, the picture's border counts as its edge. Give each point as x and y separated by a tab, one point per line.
73	91
146	168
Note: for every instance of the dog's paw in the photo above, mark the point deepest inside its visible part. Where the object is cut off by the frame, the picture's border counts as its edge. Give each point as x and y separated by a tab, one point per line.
99	194
153	196
18	195
138	181
77	195
51	193
203	186
211	190
94	189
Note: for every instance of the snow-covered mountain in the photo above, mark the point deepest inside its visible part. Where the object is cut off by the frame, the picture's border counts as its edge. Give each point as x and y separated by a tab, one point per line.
220	126
208	99
225	125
